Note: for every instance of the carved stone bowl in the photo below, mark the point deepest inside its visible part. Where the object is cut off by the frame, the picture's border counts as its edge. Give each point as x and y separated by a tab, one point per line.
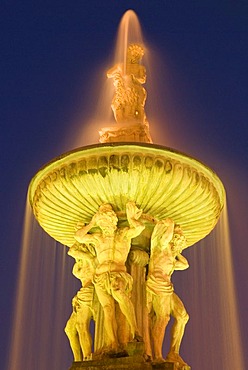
162	182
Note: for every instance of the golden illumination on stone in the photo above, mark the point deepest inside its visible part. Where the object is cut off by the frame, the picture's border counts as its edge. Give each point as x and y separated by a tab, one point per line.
128	104
162	182
127	204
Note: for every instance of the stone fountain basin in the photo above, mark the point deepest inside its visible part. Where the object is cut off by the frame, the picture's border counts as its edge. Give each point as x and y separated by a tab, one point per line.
162	182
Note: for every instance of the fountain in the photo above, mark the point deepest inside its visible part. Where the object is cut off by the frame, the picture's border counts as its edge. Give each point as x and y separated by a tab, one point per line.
126	209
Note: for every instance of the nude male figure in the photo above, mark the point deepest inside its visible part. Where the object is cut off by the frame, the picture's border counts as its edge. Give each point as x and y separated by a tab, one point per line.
112	282
167	243
78	326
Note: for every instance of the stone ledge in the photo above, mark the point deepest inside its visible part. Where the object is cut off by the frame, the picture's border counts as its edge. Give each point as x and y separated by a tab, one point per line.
123	363
133	361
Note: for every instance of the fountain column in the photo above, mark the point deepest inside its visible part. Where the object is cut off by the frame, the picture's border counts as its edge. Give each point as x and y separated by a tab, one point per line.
137	262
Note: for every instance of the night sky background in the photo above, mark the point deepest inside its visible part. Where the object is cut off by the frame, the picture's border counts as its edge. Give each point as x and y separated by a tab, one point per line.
51	53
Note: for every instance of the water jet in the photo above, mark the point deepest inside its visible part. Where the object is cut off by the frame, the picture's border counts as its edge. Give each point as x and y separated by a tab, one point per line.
126	167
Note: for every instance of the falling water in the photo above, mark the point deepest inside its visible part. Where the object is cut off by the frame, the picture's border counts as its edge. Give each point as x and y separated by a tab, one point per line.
43	296
212	339
45	285
129	32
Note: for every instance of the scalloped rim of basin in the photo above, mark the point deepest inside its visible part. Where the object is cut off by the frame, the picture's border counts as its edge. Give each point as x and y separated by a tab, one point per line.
127	147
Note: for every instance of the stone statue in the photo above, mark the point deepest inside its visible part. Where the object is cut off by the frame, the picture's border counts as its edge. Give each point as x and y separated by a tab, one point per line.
129	100
167	242
128	104
112	282
77	327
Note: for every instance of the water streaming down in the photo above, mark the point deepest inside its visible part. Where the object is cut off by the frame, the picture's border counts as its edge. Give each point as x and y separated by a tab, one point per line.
129	32
209	287
44	290
213	337
46	286
214	331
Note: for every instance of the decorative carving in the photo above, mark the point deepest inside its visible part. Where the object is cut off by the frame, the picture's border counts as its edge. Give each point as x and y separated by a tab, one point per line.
167	243
164	183
91	188
130	96
112	282
120	133
77	327
138	257
128	104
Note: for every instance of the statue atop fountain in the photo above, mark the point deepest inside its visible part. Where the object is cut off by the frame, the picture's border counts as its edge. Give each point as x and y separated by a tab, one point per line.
128	104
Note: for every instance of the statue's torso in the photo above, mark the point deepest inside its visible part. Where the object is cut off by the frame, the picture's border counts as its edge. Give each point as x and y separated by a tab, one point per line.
84	270
161	263
112	251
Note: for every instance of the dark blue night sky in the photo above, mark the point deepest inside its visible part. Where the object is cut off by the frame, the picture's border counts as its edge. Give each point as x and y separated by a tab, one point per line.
50	53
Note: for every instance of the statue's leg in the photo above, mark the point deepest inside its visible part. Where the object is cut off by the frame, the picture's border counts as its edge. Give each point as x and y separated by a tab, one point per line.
127	309
120	288
123	328
147	327
161	307
84	316
73	337
108	305
181	318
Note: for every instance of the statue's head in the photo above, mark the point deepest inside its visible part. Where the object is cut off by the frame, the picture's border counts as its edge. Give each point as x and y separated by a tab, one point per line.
135	52
179	240
106	218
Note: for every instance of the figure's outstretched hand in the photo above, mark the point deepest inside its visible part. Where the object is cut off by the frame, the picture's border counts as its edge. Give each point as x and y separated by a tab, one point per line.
167	222
79	225
163	233
133	212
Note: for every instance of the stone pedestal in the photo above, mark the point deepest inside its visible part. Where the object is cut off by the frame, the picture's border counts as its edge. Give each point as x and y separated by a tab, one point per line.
134	361
125	133
125	363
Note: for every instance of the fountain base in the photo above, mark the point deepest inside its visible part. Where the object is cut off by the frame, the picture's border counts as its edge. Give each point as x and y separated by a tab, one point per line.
134	361
125	363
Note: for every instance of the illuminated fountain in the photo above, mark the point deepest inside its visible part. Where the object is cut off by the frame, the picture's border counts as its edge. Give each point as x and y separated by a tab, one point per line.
117	206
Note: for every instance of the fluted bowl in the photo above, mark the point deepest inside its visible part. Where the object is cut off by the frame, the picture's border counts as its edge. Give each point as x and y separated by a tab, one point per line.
163	183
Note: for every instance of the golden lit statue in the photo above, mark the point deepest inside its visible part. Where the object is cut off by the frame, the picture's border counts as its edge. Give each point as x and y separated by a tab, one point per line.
129	100
167	242
112	282
77	327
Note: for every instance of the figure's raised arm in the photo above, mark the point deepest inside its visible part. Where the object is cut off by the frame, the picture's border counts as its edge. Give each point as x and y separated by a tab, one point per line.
163	233
133	215
82	235
80	251
168	234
